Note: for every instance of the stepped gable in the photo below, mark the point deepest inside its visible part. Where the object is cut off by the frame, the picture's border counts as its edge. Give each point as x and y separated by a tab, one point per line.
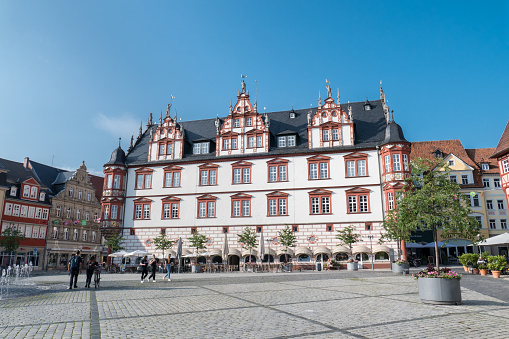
480	155
503	143
369	127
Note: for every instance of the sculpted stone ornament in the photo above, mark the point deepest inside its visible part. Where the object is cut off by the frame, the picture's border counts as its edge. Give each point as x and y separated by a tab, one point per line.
243	90
168	110
329	91
309	117
218	125
350	113
267	120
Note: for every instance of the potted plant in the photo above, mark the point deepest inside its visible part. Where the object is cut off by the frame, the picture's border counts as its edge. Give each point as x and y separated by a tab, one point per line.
473	259
440	287
348	237
496	264
433	202
463	259
400	267
483	269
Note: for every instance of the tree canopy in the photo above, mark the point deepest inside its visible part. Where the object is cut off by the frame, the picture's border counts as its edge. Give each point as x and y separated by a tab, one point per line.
161	242
198	240
287	238
11	239
248	240
431	201
347	236
114	242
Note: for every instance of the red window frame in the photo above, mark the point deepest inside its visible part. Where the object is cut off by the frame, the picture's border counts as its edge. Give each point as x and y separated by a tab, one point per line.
254	134
355	157
207	168
230	137
277	196
320	194
172	170
206	198
357	192
329	228
165	143
319	159
241	165
241	197
170	201
142	202
143	172
277	163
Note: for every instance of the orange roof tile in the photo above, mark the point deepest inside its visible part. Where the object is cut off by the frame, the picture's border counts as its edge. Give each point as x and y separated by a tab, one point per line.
479	155
503	144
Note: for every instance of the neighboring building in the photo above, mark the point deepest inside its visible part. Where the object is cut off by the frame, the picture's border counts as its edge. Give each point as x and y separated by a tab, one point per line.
479	181
317	170
74	217
501	154
26	208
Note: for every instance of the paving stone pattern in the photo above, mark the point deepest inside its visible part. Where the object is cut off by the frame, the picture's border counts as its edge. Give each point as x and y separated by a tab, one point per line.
363	304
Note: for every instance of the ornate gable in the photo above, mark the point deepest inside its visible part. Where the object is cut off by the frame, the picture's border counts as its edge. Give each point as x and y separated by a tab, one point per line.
166	139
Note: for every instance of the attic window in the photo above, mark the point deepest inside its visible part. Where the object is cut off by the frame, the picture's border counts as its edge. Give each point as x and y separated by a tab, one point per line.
42	196
292	115
485	166
451	162
367	106
14	191
201	147
438	154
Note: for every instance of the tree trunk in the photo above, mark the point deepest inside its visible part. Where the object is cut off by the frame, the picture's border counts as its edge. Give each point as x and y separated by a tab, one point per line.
437	258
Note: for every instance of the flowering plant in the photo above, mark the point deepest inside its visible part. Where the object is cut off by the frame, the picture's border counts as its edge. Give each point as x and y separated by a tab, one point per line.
351	260
399	262
430	272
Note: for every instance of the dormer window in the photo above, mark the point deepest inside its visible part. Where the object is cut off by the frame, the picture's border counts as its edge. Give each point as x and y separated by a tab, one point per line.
249	122
286	141
367	106
236	123
14	191
201	147
485	166
26	191
42	196
438	154
292	114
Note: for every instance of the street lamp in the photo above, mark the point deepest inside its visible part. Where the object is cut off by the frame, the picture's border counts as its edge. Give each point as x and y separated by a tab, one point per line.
371	245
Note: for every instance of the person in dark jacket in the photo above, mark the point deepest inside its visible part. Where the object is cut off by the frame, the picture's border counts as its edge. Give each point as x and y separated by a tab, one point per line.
153	266
91	266
144	268
74	268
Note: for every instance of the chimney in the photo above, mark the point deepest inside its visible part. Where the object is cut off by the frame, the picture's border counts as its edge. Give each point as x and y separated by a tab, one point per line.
26	163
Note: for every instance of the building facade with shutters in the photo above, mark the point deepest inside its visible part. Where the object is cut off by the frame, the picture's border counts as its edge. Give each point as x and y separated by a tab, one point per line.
316	170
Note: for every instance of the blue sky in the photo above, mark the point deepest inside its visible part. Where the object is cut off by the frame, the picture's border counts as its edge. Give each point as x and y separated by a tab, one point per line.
75	76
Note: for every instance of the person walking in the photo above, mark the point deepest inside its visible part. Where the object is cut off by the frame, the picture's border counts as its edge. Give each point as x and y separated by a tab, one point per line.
91	266
153	266
168	267
74	268
144	268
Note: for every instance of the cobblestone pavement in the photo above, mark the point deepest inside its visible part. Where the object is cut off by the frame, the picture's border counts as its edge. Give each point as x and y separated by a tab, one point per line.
363	304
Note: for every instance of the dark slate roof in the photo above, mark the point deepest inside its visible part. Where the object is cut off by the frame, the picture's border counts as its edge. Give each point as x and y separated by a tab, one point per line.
17	172
369	129
117	157
393	133
48	175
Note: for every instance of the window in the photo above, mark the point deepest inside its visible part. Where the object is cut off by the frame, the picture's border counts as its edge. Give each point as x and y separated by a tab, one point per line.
500	204
405	162
464	179
172	176
236	123
259	141
358	200
75	235
230	141
42	196
325	135
259	229
87	216
493	224
24	211
328	228
453	178
55	232
171	208
281	141
34	192
503	224
451	162
78	214
201	148
116	181
496	182
479	220
141	208
106	214
486	182
94	236
241	172
318	167
295	228
485	167
387	162
143	179
58	211
26	191
368	226
45	213
208	175
335	134
114	211
16	210
161	149
286	141
390	201
80	193
194	230
278	170
108	181
89	196
356	165
249	122
277	203
320	202
250	142
31	212
85	235
66	233
489	204
8	208
505	166
71	193
241	205
132	232
206	206
396	164
475	200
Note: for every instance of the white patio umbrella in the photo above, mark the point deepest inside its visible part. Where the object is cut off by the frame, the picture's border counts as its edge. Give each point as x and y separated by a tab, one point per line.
137	253
117	254
500	239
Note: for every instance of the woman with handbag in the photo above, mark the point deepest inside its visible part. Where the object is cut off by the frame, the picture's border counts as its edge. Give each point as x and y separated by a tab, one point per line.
144	268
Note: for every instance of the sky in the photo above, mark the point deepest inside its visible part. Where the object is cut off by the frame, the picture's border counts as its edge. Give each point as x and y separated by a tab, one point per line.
77	75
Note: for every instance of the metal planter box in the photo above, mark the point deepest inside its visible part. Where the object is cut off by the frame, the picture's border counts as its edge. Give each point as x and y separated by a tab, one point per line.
439	291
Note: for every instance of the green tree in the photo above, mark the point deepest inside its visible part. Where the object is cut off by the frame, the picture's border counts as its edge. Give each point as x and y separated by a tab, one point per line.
287	239
431	202
347	236
163	243
248	240
198	241
114	242
11	240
